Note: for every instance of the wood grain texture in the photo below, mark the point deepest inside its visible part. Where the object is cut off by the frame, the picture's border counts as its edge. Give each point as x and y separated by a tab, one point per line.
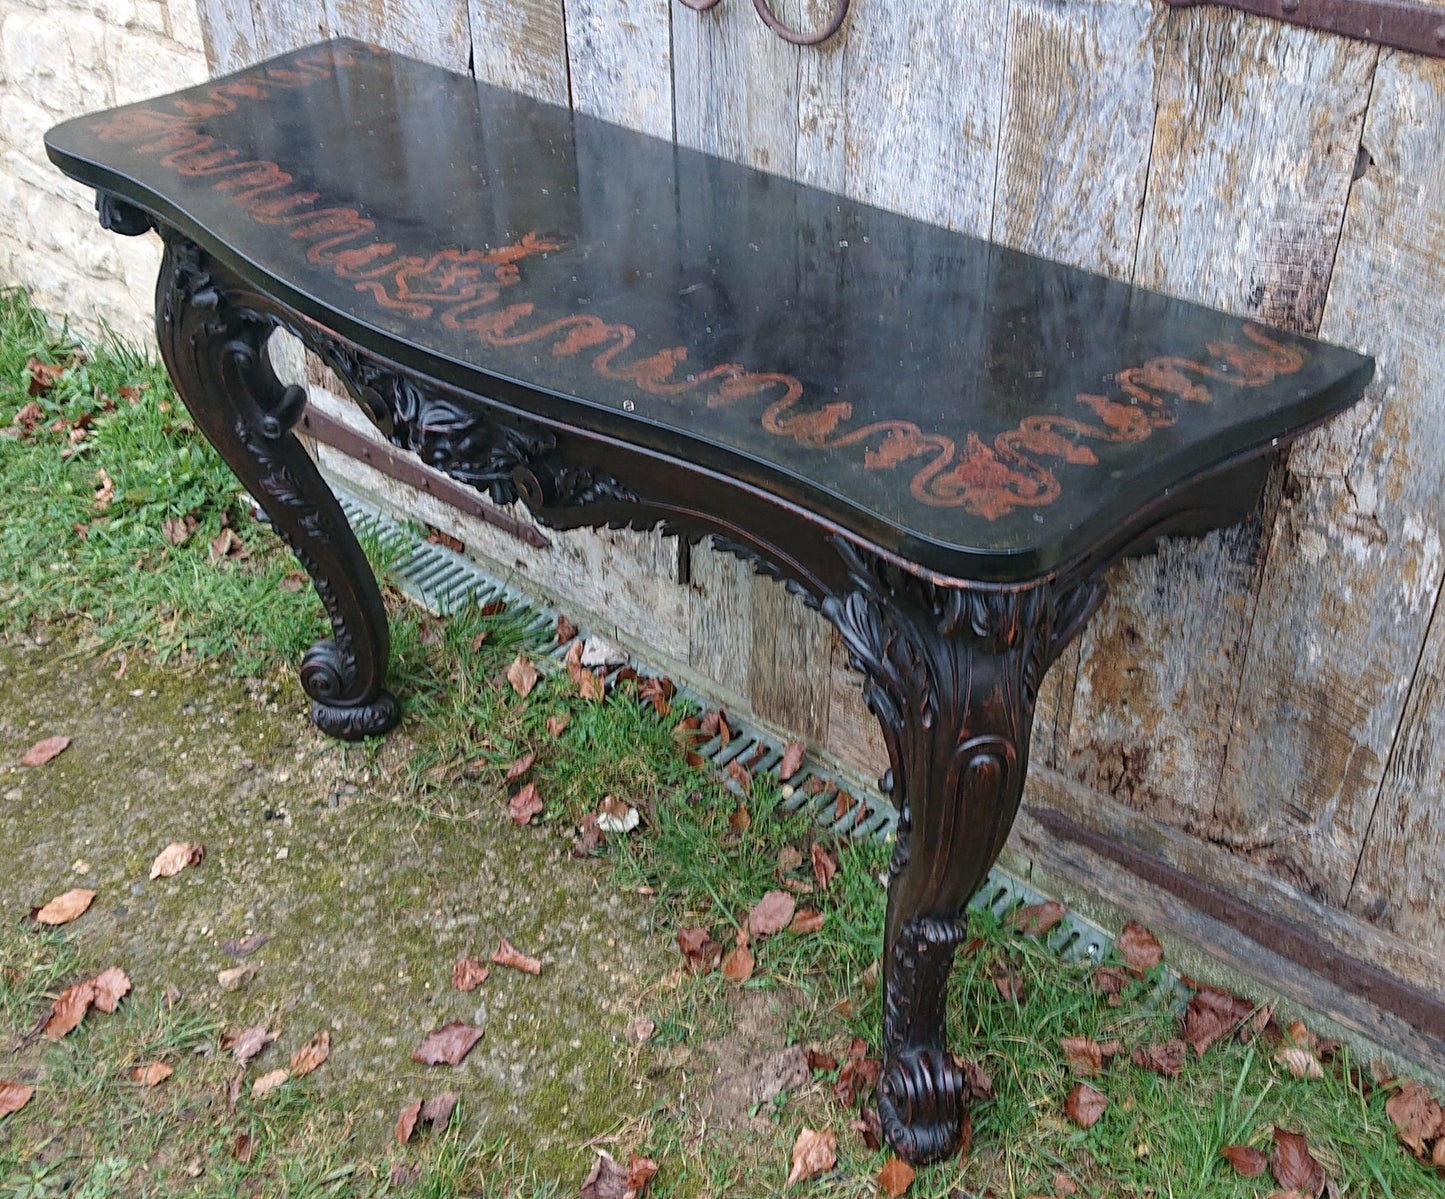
228	28
789	663
1355	572
521	44
854	736
1252	152
924	101
720	630
434	30
284	25
620	62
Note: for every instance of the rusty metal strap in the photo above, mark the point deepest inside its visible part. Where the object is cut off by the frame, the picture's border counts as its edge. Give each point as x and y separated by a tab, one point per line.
1403	24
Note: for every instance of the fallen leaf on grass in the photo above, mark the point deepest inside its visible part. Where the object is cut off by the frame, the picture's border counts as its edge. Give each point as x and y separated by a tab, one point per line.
739	774
608	1180
614	816
737	966
641	1029
658	691
175	857
1166	1059
68	1010
1085	1105
589	836
1038	918
557	725
807	920
105	493
1415	1114
153	1074
469	974
771	914
226	546
110	986
525	805
1213	1013
699	951
177	530
515	960
566	630
1138	948
267	1083
437	1111
741	819
43	751
246	1043
43	375
792	760
14	1096
825	864
1292	1165
236	977
65	908
522	675
1247	1161
1009	985
1301	1063
311	1054
1111	982
405	1174
895	1177
870	1129
1086	1056
520	767
450	1044
813	1152
715	724
406	1122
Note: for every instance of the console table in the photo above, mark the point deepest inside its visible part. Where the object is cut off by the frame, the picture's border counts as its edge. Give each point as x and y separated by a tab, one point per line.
938	442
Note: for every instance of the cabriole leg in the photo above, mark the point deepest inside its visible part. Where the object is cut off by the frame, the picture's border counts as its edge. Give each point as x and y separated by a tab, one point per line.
212	338
952	675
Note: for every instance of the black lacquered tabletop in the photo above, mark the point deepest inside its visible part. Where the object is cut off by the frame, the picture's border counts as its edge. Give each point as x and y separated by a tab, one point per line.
880	370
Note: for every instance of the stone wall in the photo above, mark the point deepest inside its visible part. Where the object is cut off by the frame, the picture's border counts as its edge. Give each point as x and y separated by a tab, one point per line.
58	59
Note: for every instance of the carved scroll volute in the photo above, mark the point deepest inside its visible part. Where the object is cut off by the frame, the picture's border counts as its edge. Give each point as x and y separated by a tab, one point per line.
952	674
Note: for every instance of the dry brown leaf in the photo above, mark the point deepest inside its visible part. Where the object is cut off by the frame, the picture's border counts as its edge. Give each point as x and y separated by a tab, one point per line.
589	836
153	1074
771	914
806	920
740	819
69	1009
65	908
110	986
177	530
813	1152
1166	1059
43	376
1247	1161
267	1083
1009	985
406	1122
870	1129
311	1054
522	675
175	857
739	774
1138	948
105	493
14	1096
1415	1114
557	725
895	1177
566	630
1111	982
1084	1055
525	805
700	952
792	760
825	864
225	546
658	691
1213	1013
469	974
450	1044
1085	1105
520	767
246	1043
1292	1165
43	751
1300	1062
507	956
1038	918
241	947
437	1111
737	966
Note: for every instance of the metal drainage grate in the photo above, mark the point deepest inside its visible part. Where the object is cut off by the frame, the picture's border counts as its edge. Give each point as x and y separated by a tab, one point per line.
444	581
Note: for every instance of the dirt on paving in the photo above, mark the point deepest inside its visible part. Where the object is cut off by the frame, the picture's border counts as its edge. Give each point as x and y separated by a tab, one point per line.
364	903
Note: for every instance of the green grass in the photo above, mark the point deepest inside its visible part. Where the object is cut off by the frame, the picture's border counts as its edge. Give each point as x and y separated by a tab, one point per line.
90	1131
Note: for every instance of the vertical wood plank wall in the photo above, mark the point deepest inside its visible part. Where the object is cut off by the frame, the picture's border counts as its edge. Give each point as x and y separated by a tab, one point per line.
1266	706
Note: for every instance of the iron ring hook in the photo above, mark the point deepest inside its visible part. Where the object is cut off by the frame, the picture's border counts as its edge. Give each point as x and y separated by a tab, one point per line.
835	23
700	5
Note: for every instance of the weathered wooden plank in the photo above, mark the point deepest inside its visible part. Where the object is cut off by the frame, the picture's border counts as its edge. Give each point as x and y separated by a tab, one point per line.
854	737
228	28
522	45
619	57
434	30
1356	569
789	666
925	90
721	618
284	25
1254	145
1078	121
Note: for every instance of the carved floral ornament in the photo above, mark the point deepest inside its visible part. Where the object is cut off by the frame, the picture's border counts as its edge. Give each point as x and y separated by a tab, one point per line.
464	289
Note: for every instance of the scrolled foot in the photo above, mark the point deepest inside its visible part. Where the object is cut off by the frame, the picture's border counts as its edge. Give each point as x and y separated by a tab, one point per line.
921	1102
356	723
328	676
